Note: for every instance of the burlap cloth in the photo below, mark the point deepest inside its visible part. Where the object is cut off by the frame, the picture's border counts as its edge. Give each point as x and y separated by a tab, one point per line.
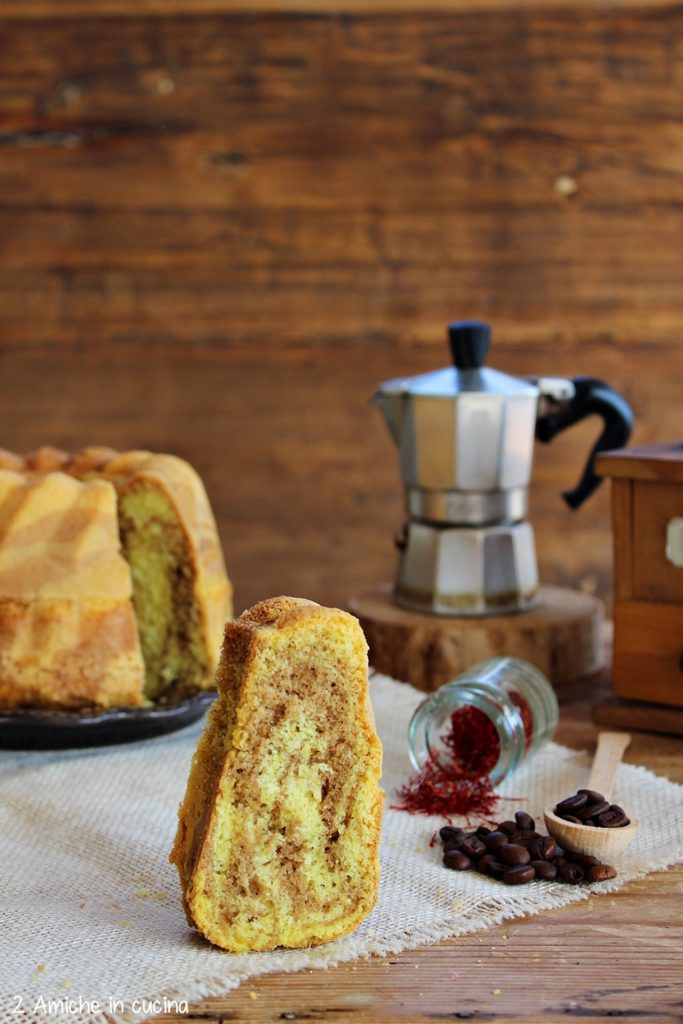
90	907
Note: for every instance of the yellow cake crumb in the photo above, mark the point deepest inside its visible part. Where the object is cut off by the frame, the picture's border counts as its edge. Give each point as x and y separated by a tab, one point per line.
278	835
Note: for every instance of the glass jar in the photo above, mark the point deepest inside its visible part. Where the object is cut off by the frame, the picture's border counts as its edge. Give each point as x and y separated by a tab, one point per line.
516	698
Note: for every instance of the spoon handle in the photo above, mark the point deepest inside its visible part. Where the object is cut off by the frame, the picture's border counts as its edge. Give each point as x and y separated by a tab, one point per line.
608	755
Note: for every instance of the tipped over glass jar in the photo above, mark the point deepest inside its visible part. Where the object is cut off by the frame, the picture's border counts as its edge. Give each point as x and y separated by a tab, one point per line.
495	715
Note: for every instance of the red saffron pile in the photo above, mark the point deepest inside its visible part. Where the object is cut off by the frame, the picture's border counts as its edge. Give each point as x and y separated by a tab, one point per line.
458	783
460	786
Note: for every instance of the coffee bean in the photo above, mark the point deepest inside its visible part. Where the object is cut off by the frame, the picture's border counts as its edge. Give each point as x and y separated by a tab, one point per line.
494	840
525	821
592	796
600	873
523	834
516	855
543	848
588	807
457	861
483	863
526	843
454	842
544	869
512	853
584	859
592	810
472	847
519	875
571	873
612	819
497	869
449	832
571	805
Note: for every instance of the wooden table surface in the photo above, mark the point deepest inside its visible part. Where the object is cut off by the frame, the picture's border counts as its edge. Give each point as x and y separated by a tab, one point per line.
618	955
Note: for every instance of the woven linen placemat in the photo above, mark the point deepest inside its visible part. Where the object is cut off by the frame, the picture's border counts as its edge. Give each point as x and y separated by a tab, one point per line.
90	907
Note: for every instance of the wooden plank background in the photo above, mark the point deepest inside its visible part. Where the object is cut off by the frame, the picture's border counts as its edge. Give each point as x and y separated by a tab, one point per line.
219	231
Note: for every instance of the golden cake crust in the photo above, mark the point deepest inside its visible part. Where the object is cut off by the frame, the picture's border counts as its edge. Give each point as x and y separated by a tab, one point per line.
69	654
68	634
278	835
59	539
68	629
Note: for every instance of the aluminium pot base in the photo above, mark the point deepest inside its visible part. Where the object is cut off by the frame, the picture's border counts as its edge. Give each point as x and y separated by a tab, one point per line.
467	570
466	606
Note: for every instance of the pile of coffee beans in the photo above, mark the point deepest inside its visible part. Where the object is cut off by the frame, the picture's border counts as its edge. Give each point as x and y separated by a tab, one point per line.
515	853
587	807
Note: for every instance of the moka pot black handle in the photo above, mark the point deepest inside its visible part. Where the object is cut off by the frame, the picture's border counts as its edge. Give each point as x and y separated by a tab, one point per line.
592	396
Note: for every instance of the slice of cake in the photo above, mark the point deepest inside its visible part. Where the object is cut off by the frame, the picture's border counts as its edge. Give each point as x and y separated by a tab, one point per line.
278	834
181	592
113	589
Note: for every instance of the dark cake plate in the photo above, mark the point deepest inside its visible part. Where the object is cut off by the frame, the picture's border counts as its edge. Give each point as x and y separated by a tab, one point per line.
40	729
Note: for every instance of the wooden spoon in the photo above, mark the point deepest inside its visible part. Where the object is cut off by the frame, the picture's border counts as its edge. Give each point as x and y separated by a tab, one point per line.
603	843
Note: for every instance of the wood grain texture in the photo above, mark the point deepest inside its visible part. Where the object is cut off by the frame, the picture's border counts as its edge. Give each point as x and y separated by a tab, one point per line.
655	577
219	231
623	539
625	714
40	9
659	462
648	651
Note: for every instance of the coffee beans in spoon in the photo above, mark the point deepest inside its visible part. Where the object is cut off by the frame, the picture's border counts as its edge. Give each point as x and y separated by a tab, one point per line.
586	807
515	853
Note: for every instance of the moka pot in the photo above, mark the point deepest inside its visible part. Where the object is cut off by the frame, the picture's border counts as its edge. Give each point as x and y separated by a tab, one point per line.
465	437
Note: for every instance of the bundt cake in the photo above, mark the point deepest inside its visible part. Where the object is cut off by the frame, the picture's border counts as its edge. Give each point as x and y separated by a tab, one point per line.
278	834
113	589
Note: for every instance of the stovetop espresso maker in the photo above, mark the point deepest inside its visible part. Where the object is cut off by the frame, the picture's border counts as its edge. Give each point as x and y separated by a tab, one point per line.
465	438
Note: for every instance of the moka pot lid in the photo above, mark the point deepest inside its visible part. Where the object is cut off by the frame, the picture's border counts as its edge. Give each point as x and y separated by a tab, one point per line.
469	341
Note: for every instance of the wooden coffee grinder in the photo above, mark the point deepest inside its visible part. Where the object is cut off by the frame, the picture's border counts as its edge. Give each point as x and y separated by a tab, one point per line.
647	511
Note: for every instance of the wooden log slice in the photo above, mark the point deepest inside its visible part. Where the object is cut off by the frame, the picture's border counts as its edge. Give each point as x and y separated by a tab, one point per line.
561	636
